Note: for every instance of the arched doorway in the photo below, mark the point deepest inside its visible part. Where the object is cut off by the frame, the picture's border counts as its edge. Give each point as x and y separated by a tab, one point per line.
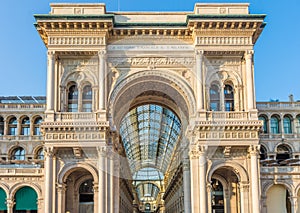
3	206
79	195
278	199
26	200
225	191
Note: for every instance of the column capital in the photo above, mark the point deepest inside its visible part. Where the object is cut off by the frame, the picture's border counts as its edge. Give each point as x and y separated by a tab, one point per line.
249	54
10	203
102	151
254	149
199	52
244	187
61	187
51	54
102	53
49	151
197	151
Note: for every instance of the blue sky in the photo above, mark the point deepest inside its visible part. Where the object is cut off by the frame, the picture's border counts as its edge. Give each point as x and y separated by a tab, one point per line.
277	72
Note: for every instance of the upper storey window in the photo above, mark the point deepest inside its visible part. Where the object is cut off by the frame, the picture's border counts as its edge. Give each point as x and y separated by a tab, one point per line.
87	96
25	126
265	123
37	126
214	96
12	126
18	154
287	125
228	98
297	123
73	99
274	125
1	126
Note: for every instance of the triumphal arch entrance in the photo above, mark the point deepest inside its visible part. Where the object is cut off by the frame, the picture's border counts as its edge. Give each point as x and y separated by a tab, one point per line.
150	112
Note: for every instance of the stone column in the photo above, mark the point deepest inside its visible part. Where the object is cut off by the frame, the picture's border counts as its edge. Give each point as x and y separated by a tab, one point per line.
244	189
187	185
202	179
61	198
209	198
194	173
102	73
10	205
50	81
48	179
110	183
255	196
199	79
249	79
102	182
96	195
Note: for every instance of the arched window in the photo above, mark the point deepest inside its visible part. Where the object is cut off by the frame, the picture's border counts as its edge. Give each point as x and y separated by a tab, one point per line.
25	126
87	96
12	126
274	125
73	99
1	126
263	153
214	97
297	123
228	98
37	126
26	200
265	123
283	153
18	154
287	125
40	154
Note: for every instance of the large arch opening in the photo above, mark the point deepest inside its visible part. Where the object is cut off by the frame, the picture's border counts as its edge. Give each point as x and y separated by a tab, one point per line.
3	206
79	194
278	199
151	110
225	191
150	134
26	200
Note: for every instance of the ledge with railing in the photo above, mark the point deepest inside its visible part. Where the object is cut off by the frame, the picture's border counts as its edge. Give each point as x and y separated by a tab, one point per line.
277	105
22	137
22	107
278	136
71	116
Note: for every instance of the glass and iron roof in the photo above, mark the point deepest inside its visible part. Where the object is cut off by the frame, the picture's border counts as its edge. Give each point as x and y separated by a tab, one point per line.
147	191
23	100
149	133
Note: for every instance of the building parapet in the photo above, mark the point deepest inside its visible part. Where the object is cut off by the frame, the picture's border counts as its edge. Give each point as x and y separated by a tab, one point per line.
268	106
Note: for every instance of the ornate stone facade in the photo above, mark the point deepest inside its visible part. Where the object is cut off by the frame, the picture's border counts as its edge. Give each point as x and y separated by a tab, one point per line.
193	68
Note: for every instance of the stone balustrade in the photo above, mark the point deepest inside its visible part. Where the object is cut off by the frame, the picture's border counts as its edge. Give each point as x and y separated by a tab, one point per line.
277	105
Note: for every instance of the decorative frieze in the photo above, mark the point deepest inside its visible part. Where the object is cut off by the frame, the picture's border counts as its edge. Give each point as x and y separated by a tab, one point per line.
74	136
76	41
210	40
152	61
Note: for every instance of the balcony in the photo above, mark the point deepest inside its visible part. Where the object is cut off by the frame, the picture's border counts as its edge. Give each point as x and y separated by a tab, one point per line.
211	116
72	116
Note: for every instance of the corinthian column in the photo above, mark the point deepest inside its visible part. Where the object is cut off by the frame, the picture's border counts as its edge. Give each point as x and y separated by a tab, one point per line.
194	167
102	73
202	176
199	79
48	179
250	80
102	183
254	150
187	185
50	81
